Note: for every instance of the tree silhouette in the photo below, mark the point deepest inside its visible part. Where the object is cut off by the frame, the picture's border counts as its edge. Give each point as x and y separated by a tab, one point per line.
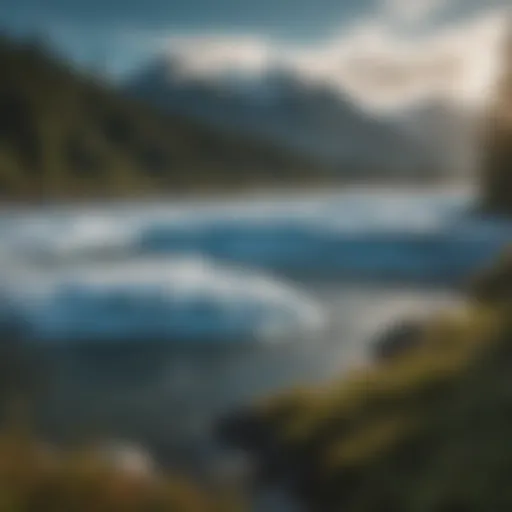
497	161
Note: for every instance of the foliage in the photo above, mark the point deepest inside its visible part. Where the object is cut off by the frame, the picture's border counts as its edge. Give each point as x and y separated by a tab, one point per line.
63	134
497	161
35	478
426	431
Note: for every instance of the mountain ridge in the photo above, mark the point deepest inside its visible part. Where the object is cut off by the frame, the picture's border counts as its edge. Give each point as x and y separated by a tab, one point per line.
65	134
287	110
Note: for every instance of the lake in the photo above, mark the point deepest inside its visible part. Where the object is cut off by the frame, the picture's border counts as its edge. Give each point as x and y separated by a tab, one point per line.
156	319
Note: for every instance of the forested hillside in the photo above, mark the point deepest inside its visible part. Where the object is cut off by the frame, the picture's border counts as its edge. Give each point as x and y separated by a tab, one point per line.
64	135
424	431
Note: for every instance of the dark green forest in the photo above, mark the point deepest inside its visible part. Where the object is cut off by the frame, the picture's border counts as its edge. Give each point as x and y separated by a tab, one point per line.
65	135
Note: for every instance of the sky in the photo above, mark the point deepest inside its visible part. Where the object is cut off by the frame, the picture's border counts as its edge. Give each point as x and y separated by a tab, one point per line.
382	52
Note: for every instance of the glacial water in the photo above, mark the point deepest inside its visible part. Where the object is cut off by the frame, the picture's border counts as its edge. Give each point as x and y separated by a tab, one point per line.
156	319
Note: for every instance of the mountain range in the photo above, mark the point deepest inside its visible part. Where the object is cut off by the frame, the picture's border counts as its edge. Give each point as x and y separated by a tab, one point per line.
280	106
66	134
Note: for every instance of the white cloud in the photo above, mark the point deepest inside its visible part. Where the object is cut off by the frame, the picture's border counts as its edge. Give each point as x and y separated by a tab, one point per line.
412	11
374	63
212	54
385	69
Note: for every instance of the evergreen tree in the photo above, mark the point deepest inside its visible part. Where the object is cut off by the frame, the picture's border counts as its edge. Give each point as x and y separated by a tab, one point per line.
497	163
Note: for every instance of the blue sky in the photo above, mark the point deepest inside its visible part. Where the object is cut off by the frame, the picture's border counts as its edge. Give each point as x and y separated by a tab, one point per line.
88	30
283	18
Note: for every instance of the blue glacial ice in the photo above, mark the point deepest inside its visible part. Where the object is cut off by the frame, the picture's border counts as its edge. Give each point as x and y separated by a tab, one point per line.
177	300
392	236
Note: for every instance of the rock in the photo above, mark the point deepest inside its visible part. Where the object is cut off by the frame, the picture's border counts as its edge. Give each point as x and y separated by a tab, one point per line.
128	458
245	430
399	339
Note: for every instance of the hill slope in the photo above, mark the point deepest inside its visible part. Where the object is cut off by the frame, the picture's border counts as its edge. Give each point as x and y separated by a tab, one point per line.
425	431
62	134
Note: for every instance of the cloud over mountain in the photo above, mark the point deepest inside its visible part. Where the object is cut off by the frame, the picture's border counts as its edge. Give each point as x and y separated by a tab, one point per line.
380	61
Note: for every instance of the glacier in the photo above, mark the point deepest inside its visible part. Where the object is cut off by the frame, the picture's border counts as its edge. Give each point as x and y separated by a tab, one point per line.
189	299
422	237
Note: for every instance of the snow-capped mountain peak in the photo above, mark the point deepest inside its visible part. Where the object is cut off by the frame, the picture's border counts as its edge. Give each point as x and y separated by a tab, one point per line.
277	103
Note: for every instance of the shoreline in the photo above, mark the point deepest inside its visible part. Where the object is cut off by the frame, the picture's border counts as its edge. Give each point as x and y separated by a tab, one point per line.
219	196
